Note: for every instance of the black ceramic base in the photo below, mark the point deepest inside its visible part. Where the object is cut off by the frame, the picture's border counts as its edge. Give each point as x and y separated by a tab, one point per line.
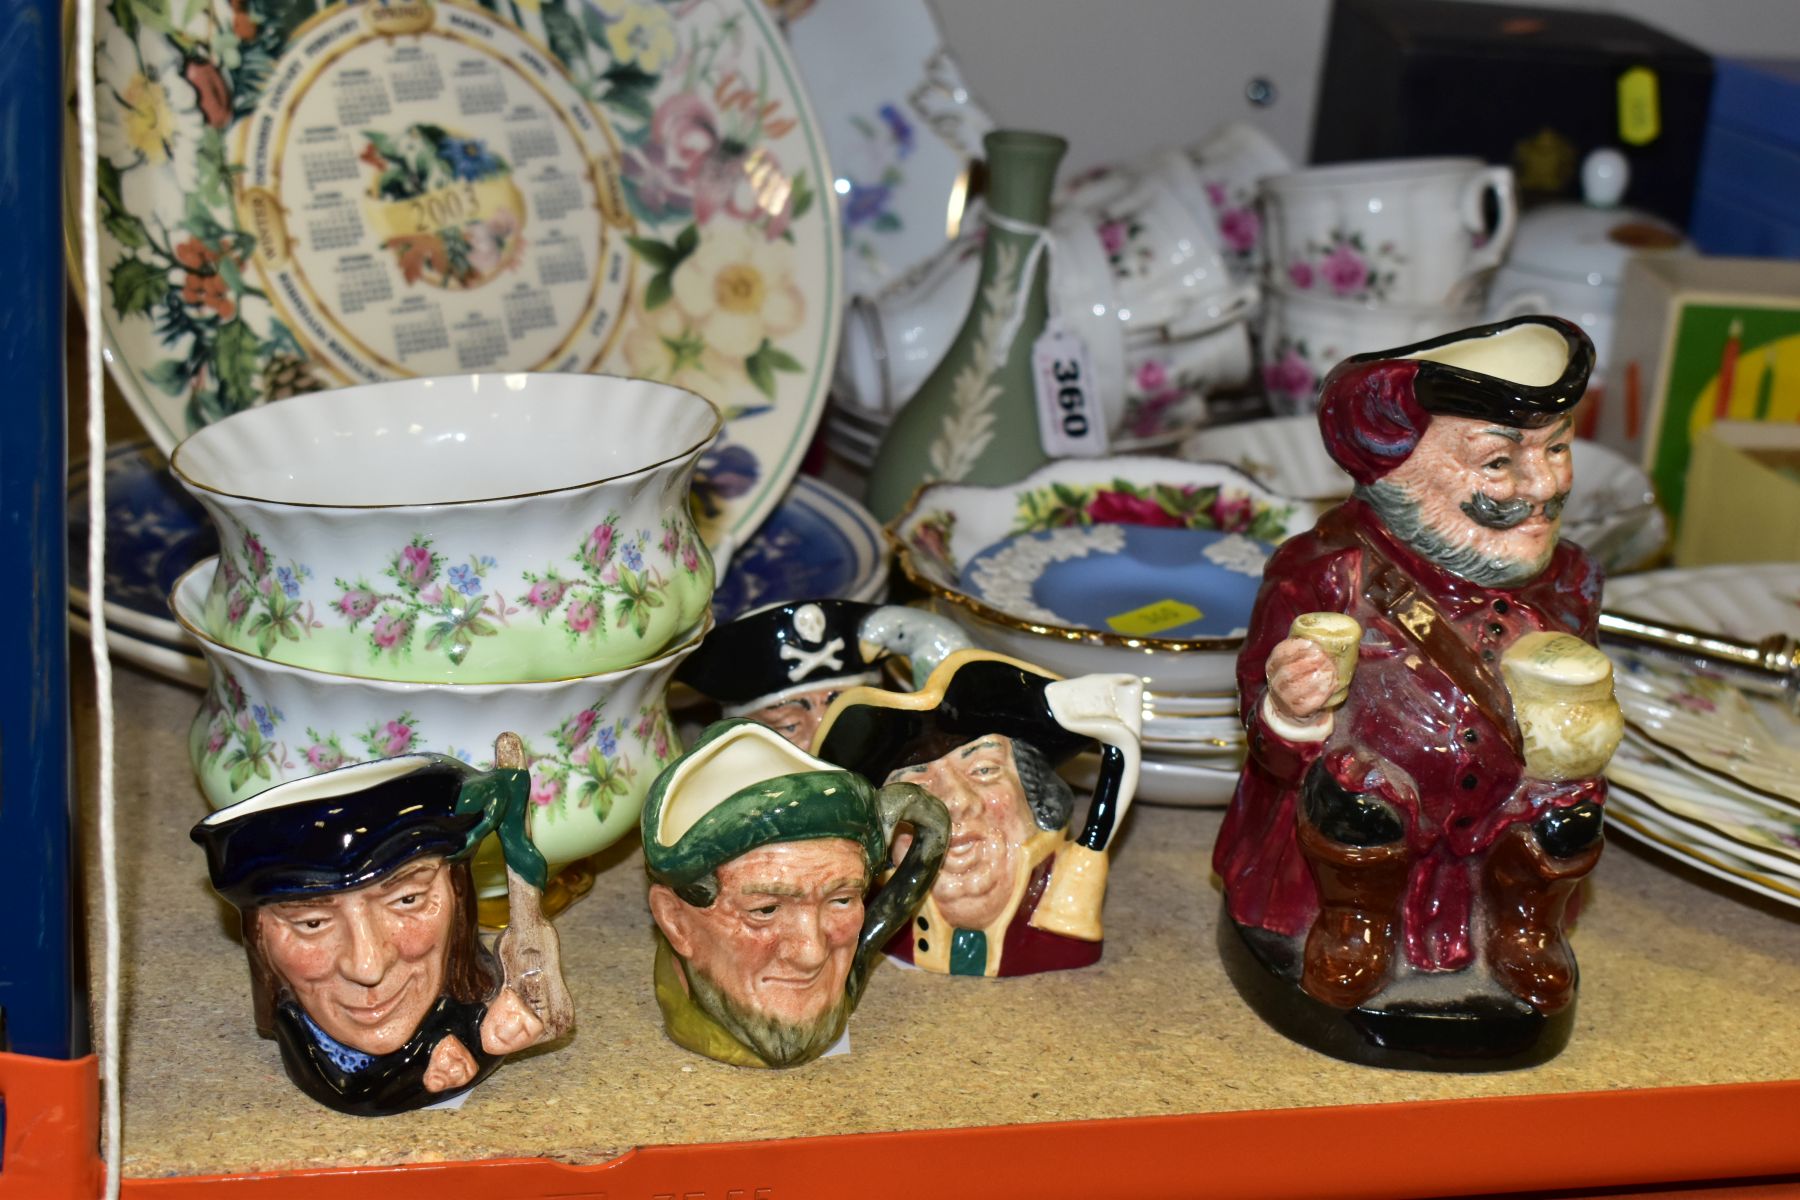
1486	1031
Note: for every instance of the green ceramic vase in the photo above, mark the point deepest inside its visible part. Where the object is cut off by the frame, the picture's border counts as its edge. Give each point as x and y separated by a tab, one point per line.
974	419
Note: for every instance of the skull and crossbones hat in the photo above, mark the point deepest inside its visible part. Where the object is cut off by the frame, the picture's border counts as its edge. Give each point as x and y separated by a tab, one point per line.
772	653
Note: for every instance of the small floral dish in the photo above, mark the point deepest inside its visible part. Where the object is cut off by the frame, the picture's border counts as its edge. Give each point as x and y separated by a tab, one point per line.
154	532
296	197
940	533
1612	511
469	529
819	544
902	129
1132	579
593	742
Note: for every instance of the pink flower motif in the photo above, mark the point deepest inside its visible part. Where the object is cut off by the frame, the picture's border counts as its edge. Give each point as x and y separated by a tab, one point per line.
215	741
670	541
581	615
1233	513
236	606
1122	508
1112	237
1215	195
1147	418
690	558
581	756
415	565
1240	227
1344	270
323	758
646	722
610	575
399	738
546	594
432	595
1300	274
582	727
661	747
1289	375
544	791
257	556
598	545
228	570
1152	376
356	603
390	631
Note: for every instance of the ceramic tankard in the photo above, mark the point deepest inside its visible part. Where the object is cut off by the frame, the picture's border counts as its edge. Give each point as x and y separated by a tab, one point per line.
1398	231
759	857
358	911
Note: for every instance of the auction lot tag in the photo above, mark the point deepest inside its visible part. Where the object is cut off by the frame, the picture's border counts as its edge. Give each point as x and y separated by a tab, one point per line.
1070	423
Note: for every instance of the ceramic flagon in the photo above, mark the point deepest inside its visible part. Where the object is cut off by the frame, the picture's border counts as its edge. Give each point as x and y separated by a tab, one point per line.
1428	718
359	923
1017	894
521	528
759	857
592	743
298	196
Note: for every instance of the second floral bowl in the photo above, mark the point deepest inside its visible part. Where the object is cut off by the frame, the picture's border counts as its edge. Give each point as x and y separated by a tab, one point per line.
593	743
468	529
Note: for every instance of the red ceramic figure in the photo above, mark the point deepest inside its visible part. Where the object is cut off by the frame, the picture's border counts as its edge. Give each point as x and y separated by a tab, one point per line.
1428	718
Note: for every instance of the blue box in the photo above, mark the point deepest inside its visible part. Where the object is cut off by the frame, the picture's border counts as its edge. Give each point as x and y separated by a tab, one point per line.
1744	203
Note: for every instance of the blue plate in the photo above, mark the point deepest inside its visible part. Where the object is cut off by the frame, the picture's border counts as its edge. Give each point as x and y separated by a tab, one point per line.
1133	580
154	532
818	544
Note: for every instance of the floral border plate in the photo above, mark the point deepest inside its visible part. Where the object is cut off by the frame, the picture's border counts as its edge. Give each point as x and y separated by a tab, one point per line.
902	128
154	532
296	195
818	544
1636	818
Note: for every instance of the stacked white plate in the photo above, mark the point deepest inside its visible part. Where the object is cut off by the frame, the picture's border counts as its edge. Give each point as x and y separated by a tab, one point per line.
1193	747
1709	773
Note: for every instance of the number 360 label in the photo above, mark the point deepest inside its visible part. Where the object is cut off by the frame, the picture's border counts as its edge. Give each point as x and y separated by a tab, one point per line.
1070	421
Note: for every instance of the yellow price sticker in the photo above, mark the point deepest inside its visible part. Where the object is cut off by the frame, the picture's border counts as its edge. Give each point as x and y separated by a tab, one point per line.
1640	115
1153	618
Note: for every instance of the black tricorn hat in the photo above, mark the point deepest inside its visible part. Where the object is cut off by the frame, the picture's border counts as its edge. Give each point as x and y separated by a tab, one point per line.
783	648
971	694
1525	372
339	830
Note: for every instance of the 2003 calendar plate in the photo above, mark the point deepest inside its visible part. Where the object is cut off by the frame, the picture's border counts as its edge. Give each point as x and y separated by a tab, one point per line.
296	195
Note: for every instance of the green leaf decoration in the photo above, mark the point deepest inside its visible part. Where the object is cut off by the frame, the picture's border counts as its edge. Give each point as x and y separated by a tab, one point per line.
686	241
593	24
780	359
658	255
801	201
125	229
566	39
236	360
170	375
658	291
137	286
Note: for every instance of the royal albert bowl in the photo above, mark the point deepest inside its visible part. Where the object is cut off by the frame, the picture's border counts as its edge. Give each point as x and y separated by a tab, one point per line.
946	525
593	742
467	529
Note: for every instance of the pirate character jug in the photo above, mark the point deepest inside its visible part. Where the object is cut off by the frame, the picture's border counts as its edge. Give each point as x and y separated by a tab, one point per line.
1421	799
358	910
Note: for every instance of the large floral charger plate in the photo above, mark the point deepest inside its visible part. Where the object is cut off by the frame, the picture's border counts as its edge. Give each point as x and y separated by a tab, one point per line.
296	195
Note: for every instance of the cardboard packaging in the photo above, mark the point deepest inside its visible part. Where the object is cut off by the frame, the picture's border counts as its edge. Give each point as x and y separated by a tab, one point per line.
1743	496
1534	88
1699	340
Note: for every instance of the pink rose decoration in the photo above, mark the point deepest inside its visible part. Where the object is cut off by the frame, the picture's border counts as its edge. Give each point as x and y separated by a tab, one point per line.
390	631
582	727
1289	375
661	748
399	738
546	594
432	595
356	604
323	758
1344	270
1232	514
645	724
1215	195
415	566
1121	508
1300	274
1112	236
690	558
259	558
598	545
581	615
581	756
1240	228
215	741
1152	377
669	542
545	791
236	607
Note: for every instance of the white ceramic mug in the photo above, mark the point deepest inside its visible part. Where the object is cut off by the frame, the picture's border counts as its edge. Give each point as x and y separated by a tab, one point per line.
1304	336
1400	231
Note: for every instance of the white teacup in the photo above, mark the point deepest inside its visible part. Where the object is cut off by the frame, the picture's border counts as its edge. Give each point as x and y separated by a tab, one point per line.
1304	336
1227	169
1399	231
